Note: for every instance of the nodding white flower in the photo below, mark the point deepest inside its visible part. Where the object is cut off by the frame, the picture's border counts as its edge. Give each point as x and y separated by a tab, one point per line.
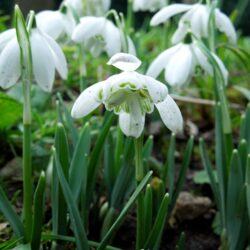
56	23
180	62
130	95
148	5
46	57
98	34
195	19
89	7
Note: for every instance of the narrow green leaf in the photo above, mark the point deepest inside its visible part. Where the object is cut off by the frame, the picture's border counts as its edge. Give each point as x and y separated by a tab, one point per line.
10	244
148	207
118	150
23	247
77	226
182	242
243	156
78	166
147	148
124	211
248	185
10	214
38	213
154	239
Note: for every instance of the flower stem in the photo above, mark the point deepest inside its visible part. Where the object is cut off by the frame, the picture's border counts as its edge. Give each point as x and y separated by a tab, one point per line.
139	174
82	68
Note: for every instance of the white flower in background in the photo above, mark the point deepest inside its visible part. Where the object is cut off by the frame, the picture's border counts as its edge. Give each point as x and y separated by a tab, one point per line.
148	5
180	62
130	95
89	7
195	20
56	23
46	57
98	34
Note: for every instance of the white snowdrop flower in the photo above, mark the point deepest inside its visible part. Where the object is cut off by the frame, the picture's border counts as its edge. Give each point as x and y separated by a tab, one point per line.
89	7
195	19
46	57
56	23
98	34
148	5
180	62
130	95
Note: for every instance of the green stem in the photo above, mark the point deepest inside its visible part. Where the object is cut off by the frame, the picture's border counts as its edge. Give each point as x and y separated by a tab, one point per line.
130	16
82	68
139	174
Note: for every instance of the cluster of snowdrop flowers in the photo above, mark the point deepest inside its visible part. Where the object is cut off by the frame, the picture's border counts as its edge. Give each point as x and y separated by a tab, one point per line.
130	95
180	61
148	5
98	34
46	57
195	20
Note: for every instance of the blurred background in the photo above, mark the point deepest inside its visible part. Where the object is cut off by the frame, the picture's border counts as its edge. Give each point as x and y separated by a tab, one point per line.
238	9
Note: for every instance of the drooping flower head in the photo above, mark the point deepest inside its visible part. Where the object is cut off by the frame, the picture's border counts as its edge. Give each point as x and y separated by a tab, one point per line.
148	5
46	57
99	34
130	95
180	62
196	20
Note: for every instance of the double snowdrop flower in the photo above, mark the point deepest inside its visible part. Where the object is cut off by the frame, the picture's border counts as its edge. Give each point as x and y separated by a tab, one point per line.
56	23
195	20
46	57
98	34
180	62
148	5
89	7
130	95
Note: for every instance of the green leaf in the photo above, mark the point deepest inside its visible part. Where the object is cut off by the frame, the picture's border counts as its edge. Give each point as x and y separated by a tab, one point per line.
124	211
182	242
10	214
248	185
37	226
77	226
11	109
148	209
202	177
154	239
23	247
244	91
78	167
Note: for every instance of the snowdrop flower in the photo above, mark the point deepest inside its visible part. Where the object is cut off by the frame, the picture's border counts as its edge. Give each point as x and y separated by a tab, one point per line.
46	57
56	23
148	5
130	95
89	7
195	19
98	34
180	62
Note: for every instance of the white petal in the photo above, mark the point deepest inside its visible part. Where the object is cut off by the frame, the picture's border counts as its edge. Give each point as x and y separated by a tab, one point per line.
88	101
132	123
131	47
180	33
112	38
125	62
169	11
59	58
88	27
50	22
224	24
5	37
222	68
170	114
10	68
180	67
43	61
157	90
161	61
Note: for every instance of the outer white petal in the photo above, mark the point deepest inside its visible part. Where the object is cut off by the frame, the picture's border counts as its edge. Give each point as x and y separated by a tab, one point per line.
157	90
112	38
131	47
88	101
224	24
88	27
6	36
125	62
59	58
161	61
10	69
43	61
50	22
169	11
222	68
180	33
170	114
180	66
